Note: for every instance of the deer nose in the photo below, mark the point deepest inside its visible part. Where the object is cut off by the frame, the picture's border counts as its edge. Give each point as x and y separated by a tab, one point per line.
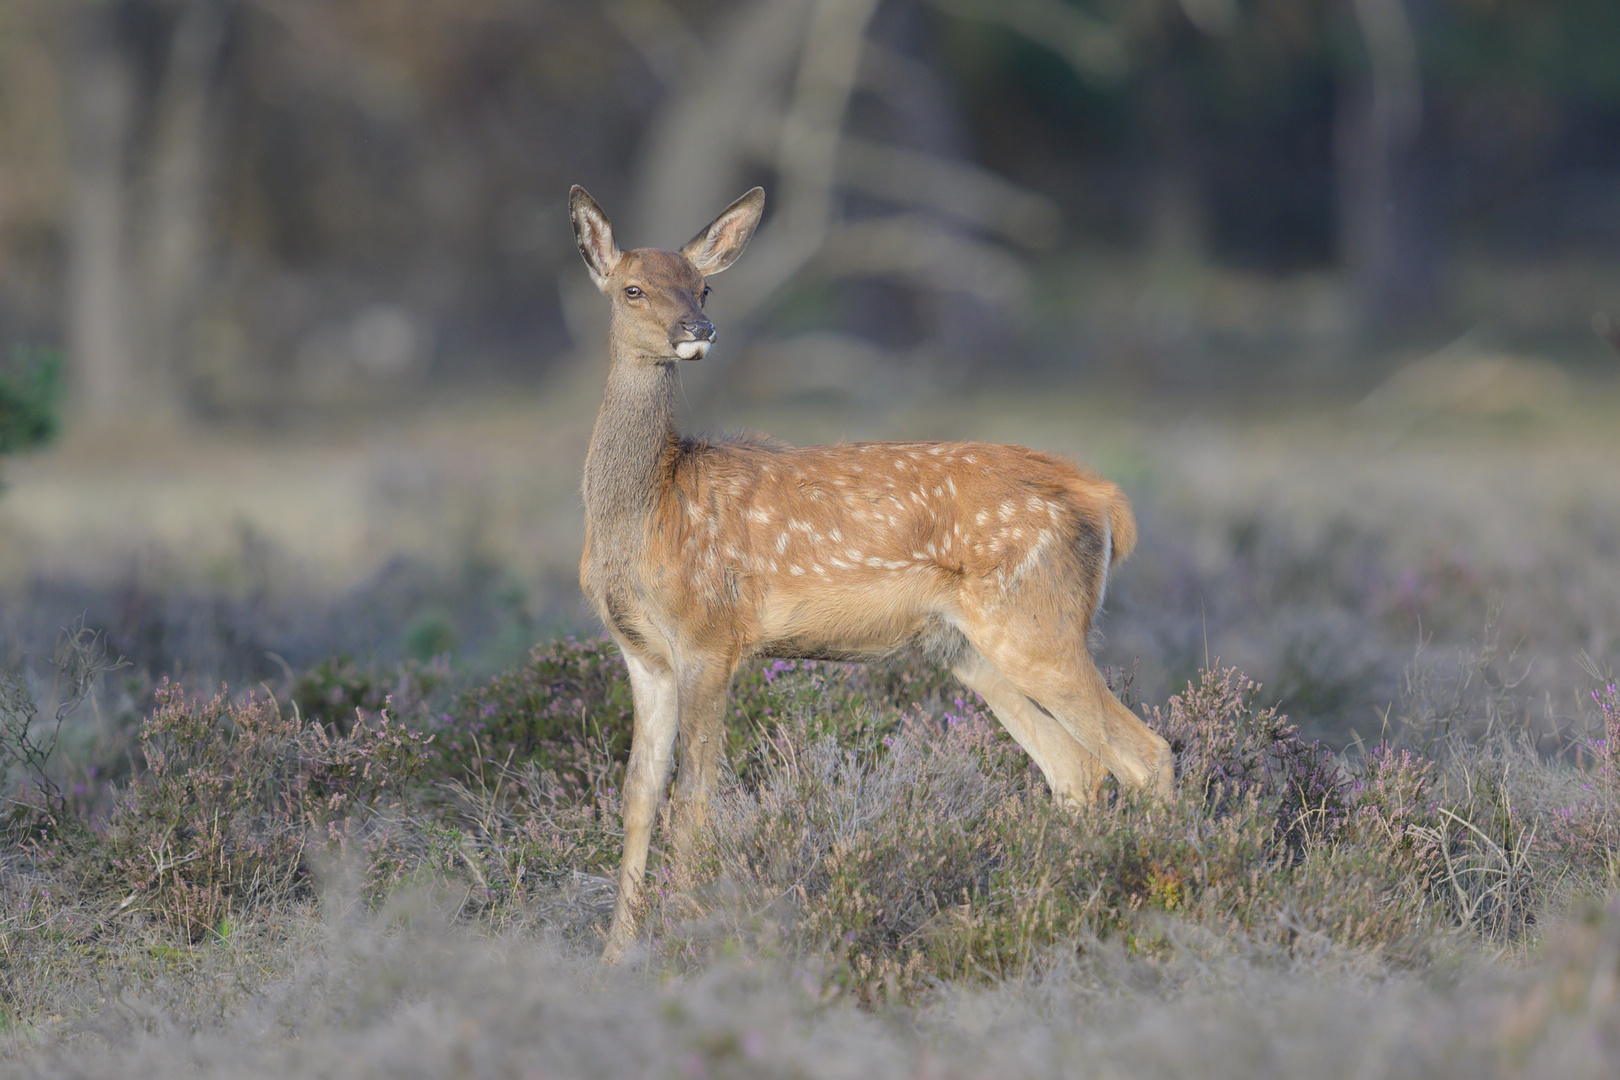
700	329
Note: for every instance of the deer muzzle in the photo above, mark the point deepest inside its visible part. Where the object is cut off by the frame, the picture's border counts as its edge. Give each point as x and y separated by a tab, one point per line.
692	338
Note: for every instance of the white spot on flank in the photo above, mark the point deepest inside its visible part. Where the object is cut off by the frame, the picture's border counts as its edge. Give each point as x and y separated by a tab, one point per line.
969	459
952	485
981	517
1032	559
894	564
938	491
938	448
875	563
835	536
796	571
854	553
1006	511
759	516
931	549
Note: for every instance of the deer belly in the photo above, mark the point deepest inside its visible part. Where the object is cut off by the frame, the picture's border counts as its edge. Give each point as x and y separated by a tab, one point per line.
833	623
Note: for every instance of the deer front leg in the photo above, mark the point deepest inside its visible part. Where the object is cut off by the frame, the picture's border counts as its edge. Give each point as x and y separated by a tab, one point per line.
651	743
703	691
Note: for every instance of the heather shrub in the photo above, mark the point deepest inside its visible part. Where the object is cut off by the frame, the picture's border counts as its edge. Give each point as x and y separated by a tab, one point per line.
233	795
1580	826
1229	750
934	853
37	785
338	689
572	698
567	694
865	848
1605	748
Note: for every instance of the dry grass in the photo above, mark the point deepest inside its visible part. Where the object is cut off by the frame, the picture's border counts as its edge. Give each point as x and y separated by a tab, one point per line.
403	993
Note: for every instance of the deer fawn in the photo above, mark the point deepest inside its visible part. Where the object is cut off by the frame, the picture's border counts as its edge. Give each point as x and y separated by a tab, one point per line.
701	556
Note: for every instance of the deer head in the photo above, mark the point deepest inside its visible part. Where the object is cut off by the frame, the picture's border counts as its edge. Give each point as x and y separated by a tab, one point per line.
658	296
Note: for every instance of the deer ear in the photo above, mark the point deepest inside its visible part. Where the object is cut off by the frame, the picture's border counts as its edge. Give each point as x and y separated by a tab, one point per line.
594	234
718	246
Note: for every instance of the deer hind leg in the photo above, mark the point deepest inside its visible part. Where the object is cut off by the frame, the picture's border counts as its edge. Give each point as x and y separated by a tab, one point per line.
651	743
1071	771
703	689
1057	672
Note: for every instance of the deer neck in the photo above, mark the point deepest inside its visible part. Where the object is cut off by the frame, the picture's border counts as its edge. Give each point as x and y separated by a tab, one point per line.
625	464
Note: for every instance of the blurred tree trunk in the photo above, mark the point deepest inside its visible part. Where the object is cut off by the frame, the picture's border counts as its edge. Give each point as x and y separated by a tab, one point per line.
101	98
1177	217
173	195
1387	236
142	166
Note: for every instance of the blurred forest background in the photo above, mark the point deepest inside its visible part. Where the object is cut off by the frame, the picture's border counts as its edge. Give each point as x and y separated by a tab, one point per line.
308	265
219	206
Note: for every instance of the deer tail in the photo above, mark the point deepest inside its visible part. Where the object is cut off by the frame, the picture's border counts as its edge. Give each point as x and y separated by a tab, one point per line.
1121	524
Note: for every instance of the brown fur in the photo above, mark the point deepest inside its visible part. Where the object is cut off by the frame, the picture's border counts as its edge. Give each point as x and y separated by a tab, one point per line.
702	556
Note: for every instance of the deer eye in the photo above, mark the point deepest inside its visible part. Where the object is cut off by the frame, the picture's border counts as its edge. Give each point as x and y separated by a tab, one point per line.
703	297
633	292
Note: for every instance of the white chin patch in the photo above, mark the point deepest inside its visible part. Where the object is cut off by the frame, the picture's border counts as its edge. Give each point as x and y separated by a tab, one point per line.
692	350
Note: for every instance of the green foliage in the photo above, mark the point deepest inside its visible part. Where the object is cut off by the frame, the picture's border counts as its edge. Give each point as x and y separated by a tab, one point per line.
29	399
431	633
